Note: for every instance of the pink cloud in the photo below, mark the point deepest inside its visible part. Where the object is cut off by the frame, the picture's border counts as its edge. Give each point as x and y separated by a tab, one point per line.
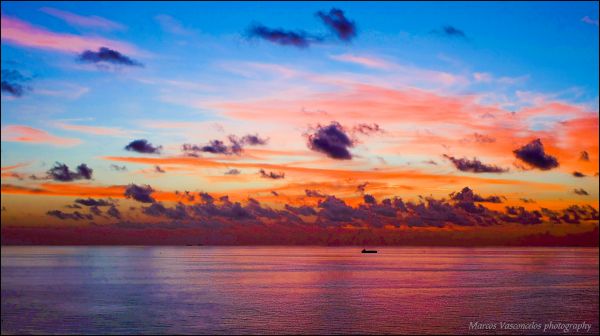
95	130
83	21
19	133
369	62
482	77
589	20
171	25
22	33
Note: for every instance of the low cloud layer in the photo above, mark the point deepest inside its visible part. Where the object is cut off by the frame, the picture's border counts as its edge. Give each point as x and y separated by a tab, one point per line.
72	216
467	195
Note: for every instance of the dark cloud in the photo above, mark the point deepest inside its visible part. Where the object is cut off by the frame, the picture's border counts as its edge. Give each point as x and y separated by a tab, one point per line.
533	154
274	193
179	212
302	210
467	195
14	89
143	146
431	162
369	199
336	210
452	31
527	200
574	214
271	175
93	202
233	172
61	172
186	195
191	150
474	166
84	172
226	209
337	22
482	138
578	174
118	168
367	129
114	212
236	145
584	156
298	39
74	216
362	187
217	147
96	211
13	83
313	193
331	140
141	193
106	55
581	192
159	170
254	140
520	215
206	197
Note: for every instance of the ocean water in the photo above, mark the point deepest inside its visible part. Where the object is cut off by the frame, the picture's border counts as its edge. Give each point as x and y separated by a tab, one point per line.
307	290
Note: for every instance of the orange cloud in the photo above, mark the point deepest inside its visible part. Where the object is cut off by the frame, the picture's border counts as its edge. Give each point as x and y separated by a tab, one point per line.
95	130
358	175
19	133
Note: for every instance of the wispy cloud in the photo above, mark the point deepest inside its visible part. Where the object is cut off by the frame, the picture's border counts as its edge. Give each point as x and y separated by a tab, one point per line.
91	21
20	133
95	130
589	20
171	25
367	61
283	37
22	33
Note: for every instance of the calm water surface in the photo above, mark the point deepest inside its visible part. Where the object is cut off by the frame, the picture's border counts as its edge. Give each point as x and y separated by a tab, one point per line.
223	290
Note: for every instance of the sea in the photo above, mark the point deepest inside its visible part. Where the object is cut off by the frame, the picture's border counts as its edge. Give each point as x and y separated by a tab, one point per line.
298	290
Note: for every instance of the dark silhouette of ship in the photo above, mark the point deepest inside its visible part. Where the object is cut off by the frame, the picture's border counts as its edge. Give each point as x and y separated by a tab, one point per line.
368	251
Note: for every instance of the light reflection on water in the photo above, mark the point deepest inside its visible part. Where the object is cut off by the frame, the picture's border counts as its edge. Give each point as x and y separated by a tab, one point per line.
292	289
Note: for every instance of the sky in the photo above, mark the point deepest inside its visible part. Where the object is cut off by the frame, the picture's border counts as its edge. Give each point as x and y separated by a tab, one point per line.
300	123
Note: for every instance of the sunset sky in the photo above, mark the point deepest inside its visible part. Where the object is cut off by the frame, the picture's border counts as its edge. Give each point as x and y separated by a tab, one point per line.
298	123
